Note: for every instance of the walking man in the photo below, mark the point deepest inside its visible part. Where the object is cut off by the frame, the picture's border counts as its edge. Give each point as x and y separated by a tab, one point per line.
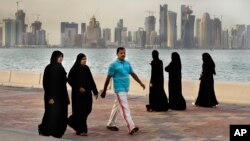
120	70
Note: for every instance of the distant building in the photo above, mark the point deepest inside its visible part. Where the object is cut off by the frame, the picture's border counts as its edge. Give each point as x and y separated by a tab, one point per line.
238	37
124	36
172	30
187	27
20	26
140	38
28	38
1	34
118	32
248	37
40	37
9	32
163	30
107	35
149	27
93	35
216	33
225	39
198	33
69	32
206	32
130	36
83	28
153	38
232	39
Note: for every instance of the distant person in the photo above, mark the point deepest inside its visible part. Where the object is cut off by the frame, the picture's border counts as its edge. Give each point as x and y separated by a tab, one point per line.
206	96
56	98
176	100
120	70
158	100
83	84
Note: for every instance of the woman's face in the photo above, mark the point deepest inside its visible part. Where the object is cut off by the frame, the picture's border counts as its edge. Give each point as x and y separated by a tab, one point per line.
84	61
60	59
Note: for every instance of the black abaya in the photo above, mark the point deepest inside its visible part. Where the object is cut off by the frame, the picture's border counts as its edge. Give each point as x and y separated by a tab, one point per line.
54	121
158	100
176	100
206	96
80	76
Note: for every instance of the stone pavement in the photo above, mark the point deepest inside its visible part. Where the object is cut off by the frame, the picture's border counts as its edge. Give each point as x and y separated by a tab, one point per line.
21	110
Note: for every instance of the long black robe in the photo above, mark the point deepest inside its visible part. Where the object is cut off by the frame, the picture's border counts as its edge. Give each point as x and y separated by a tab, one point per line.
80	76
158	100
54	121
176	100
206	96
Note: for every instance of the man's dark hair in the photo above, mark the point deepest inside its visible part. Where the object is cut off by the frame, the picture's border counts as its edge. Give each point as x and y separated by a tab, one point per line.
119	48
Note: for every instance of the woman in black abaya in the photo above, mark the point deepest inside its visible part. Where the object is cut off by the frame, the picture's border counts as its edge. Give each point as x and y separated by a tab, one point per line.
176	100
56	98
158	100
206	96
82	83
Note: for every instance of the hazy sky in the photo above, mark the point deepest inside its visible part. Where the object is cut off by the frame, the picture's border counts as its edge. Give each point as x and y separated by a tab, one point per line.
108	12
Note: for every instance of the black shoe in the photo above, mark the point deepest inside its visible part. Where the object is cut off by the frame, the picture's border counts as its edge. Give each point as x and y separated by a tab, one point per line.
136	129
112	128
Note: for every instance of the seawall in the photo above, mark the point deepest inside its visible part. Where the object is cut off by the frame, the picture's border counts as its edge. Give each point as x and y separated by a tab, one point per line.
226	92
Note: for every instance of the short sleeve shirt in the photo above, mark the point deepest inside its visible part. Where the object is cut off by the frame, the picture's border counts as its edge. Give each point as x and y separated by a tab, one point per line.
120	71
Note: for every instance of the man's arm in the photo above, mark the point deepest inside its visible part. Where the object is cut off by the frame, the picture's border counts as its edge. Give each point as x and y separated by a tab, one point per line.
137	80
103	94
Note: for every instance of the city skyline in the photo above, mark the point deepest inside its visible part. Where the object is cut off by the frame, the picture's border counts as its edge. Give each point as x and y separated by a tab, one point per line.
132	12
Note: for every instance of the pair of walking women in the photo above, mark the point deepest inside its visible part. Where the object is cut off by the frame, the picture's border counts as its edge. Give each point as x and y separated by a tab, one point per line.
158	100
56	99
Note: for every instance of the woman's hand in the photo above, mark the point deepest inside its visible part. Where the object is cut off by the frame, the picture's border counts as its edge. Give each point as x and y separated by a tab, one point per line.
51	101
82	90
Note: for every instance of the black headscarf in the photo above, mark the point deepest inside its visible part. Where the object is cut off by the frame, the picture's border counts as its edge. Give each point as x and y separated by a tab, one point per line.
155	55
55	55
208	61
176	59
78	59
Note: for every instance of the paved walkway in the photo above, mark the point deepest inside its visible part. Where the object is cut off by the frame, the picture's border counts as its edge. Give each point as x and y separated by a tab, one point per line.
21	110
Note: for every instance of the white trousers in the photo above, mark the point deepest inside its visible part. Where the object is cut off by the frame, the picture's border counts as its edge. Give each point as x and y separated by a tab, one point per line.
121	102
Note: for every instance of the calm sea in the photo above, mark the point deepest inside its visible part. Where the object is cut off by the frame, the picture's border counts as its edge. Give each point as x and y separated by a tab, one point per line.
231	65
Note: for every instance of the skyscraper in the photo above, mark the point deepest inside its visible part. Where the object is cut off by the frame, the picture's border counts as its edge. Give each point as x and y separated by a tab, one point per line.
187	27
216	33
1	34
206	32
68	34
225	39
163	30
248	37
198	33
129	36
149	27
83	28
20	26
118	32
124	36
240	36
140	38
107	35
38	35
9	32
172	30
93	35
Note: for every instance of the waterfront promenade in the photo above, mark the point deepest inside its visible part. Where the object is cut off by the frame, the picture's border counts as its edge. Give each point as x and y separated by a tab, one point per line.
22	109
